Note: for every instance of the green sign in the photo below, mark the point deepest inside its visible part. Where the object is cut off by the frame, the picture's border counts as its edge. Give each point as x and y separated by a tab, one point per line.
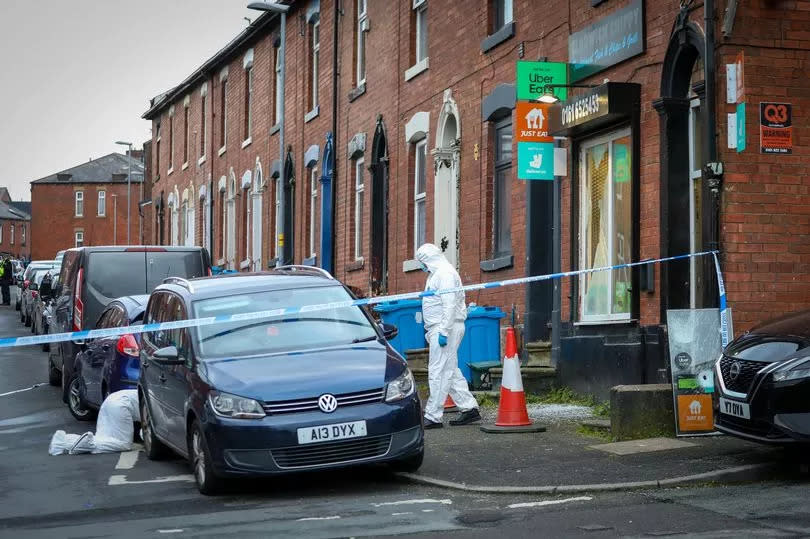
740	127
533	78
621	163
535	160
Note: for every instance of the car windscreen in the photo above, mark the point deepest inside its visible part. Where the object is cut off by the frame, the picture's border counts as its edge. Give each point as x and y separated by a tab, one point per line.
185	264
299	331
115	274
29	271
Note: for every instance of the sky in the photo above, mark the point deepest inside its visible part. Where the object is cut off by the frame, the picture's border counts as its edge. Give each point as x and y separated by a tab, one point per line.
78	74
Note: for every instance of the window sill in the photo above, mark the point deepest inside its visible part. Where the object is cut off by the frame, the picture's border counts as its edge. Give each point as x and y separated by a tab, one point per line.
185	166
221	151
247	142
311	261
357	92
200	161
311	115
102	216
169	172
411	265
275	129
416	69
495	264
505	32
607	322
244	264
357	265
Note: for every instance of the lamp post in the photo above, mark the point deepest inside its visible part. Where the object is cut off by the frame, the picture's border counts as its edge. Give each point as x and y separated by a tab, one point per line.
115	219
281	10
129	177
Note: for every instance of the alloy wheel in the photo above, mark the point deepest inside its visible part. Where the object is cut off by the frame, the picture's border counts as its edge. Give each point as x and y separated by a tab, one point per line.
198	453
146	428
75	398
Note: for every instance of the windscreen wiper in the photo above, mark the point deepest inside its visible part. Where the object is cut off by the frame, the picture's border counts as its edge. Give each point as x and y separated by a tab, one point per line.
365	339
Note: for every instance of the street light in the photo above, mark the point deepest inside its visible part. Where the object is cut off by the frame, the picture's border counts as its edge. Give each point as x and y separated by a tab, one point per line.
129	175
282	10
115	219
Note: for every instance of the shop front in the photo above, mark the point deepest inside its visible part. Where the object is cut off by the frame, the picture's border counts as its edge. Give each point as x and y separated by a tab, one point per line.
603	342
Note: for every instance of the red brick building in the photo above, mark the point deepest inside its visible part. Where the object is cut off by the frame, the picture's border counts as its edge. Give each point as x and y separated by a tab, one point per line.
15	227
86	205
419	101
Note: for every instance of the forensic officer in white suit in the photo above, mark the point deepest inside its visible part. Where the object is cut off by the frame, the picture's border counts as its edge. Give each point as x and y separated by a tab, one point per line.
444	317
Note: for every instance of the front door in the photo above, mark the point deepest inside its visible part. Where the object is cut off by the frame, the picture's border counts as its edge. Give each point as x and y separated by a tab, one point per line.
695	201
379	214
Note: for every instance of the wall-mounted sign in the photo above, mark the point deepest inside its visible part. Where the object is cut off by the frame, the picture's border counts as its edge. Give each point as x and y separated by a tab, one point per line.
594	108
776	128
611	40
740	79
532	122
740	127
535	160
533	78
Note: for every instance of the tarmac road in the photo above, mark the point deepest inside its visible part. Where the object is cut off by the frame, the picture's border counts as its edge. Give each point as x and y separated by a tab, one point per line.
126	495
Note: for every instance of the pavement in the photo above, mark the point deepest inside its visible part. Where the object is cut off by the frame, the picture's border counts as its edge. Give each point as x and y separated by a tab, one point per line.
563	459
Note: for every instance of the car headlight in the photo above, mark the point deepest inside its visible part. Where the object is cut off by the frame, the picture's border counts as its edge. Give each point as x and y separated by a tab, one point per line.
399	388
796	372
228	405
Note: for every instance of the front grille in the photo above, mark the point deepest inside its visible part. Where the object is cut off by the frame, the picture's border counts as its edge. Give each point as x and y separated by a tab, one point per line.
320	454
308	405
748	370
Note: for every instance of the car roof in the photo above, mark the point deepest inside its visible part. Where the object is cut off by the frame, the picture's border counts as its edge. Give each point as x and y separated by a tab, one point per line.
219	285
135	248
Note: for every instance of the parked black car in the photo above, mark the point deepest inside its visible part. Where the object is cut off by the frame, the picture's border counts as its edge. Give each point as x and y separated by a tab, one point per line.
308	391
92	277
763	384
107	364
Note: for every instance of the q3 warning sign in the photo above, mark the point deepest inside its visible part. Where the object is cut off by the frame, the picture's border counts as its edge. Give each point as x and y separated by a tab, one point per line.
775	128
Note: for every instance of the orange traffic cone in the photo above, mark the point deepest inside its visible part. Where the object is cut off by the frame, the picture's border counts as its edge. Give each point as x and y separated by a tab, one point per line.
512	413
449	405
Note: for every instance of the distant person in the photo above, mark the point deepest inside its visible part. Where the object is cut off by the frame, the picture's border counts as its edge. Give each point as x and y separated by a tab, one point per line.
6	278
444	317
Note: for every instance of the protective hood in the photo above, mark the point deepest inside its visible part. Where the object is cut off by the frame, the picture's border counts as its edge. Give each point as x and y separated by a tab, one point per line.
431	256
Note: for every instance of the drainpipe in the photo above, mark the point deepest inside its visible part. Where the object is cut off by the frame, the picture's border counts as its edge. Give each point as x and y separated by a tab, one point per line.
713	171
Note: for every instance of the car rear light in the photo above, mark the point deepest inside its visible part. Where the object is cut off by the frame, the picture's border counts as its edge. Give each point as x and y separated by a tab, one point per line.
78	306
128	346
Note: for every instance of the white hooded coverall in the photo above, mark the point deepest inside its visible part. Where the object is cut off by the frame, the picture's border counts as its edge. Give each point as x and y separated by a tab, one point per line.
443	314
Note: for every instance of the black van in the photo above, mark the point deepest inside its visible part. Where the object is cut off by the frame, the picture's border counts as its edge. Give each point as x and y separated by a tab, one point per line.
92	277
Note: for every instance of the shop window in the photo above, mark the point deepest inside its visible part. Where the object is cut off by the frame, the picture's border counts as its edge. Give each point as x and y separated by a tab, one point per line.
502	190
606	226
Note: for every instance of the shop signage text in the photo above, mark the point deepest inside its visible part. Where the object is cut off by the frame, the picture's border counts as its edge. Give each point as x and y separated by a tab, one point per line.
611	40
533	79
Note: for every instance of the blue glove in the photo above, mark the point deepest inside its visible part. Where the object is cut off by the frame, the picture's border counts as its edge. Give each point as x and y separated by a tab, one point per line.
442	340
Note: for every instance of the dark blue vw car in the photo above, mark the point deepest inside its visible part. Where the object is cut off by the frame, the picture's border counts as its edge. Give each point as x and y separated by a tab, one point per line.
109	364
308	391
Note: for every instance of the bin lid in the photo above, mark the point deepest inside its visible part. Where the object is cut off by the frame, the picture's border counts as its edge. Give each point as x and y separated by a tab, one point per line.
398	305
480	311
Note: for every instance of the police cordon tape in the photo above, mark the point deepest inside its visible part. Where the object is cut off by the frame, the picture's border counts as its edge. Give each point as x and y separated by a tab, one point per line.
9	342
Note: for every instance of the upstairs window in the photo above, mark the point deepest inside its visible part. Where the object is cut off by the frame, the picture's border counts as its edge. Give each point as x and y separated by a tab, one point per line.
360	42
315	51
501	13
171	141
223	116
420	21
248	102
157	149
22	234
79	204
203	126
102	203
185	133
277	86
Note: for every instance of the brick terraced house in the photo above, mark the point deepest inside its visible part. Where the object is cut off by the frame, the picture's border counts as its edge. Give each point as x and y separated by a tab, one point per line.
401	127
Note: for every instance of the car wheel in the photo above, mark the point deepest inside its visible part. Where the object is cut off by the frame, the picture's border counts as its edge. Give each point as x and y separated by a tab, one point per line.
410	464
200	459
153	447
76	404
54	376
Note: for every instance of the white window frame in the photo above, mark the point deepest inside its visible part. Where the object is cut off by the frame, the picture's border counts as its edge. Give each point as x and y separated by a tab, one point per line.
277	96
359	189
102	203
171	144
203	125
78	238
186	134
695	174
78	204
256	219
313	206
505	7
11	237
362	27
223	105
420	14
249	104
419	198
22	234
590	143
316	57
248	194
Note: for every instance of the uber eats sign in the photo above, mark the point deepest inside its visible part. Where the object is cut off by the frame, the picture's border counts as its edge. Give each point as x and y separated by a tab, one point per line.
533	79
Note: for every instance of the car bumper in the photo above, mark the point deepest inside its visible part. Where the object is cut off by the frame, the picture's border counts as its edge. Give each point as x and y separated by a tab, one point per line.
780	413
270	446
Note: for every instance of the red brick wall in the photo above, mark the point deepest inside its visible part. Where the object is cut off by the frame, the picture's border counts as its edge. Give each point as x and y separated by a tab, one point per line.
20	248
53	220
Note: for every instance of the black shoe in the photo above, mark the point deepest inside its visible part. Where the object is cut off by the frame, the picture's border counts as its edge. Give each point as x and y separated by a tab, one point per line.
470	416
428	424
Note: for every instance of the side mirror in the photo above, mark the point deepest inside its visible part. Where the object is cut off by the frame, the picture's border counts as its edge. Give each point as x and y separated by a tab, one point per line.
389	331
168	356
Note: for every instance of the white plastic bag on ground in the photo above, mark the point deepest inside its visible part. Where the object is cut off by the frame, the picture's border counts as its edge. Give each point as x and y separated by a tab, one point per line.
114	428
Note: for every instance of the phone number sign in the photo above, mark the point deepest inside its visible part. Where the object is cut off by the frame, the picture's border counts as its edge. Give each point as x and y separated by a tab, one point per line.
776	128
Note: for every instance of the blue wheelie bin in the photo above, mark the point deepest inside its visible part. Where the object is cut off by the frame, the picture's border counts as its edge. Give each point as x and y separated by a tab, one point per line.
482	338
406	315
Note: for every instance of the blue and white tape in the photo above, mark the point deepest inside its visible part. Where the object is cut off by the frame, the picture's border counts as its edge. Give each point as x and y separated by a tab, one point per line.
286	311
724	332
